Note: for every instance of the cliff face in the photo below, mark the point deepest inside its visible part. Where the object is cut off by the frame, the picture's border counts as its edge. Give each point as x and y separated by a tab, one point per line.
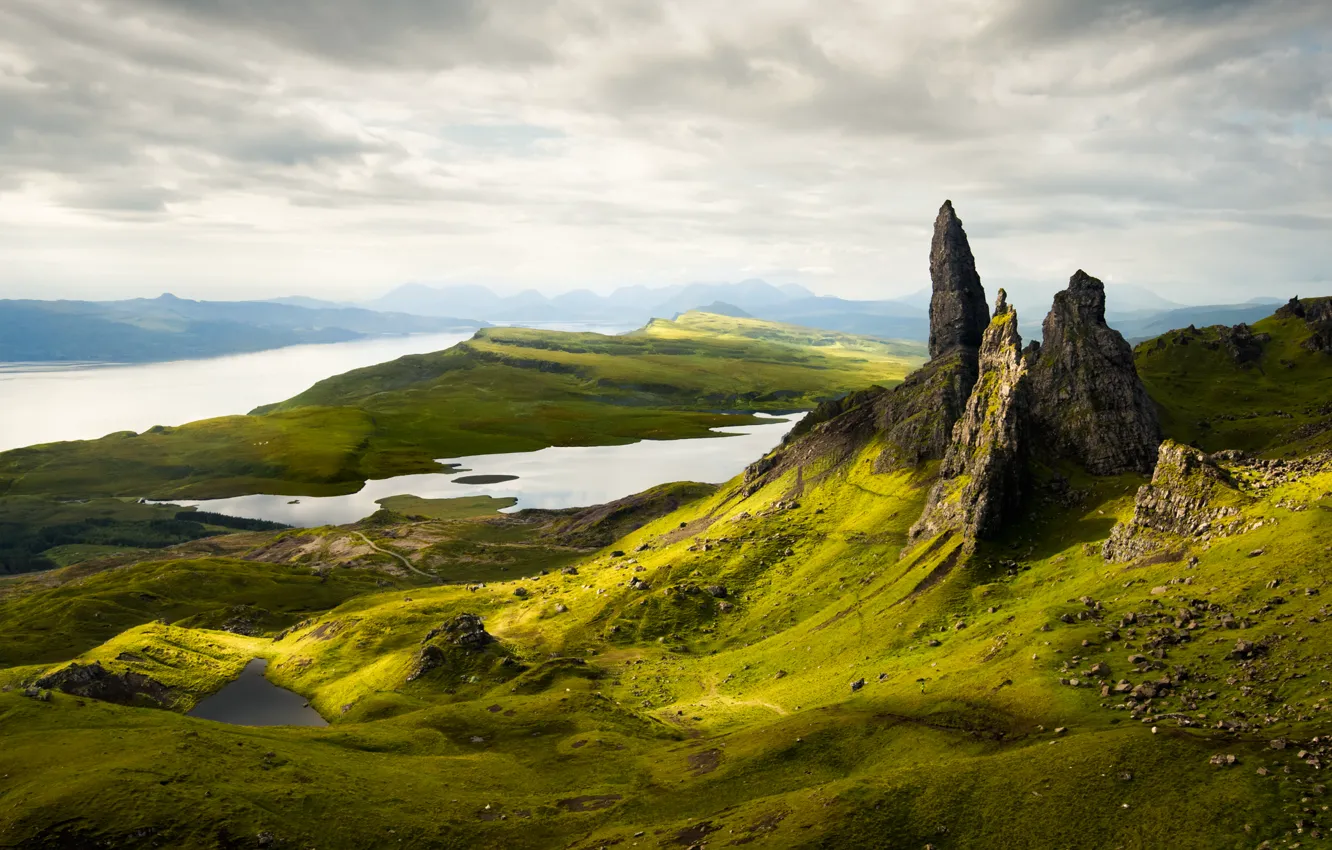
1190	499
983	475
958	313
1088	404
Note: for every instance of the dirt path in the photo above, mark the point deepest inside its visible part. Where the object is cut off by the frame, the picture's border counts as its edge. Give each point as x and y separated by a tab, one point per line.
402	560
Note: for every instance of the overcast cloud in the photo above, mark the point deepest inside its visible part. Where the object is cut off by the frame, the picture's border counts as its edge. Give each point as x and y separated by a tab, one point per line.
253	148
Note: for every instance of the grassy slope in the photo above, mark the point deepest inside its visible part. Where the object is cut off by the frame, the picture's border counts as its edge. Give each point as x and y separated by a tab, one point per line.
745	721
1210	401
505	390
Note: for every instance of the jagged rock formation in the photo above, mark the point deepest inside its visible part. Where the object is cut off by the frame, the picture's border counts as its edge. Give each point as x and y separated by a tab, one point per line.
467	631
1190	498
915	417
1088	403
1317	314
984	473
96	682
958	313
1242	344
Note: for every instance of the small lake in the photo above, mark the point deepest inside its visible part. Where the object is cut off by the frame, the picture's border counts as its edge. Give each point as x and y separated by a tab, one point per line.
252	700
50	402
555	477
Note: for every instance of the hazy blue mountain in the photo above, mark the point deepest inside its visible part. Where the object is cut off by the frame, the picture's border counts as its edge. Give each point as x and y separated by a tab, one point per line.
169	328
310	303
892	319
626	304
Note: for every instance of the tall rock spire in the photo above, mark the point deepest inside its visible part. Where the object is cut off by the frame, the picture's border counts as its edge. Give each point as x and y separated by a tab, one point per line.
983	477
1087	400
958	313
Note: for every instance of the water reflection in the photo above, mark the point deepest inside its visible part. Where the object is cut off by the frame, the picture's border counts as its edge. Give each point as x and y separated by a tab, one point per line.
556	477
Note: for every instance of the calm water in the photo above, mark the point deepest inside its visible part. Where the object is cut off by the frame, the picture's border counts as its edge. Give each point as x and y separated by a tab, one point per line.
556	477
252	700
48	402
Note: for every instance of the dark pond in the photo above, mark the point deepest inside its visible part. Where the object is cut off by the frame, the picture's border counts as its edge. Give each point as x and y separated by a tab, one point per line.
252	700
484	479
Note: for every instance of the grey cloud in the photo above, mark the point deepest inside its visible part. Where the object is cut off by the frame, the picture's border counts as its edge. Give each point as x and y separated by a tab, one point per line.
1033	21
789	135
427	33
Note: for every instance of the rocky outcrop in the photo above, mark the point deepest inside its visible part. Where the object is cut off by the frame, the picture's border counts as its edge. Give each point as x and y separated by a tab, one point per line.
958	313
1190	499
915	418
1242	344
983	475
1317	314
467	631
96	682
1088	404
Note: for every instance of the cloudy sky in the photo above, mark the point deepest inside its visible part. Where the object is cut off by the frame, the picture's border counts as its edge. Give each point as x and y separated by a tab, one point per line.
336	148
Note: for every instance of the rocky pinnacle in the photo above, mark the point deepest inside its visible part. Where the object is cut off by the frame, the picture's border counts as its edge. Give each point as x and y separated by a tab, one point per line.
983	477
1087	400
958	312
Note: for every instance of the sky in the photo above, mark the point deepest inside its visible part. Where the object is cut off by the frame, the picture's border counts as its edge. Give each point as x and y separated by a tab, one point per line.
336	149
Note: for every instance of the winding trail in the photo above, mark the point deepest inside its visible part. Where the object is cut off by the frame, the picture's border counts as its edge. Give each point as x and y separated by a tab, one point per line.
402	560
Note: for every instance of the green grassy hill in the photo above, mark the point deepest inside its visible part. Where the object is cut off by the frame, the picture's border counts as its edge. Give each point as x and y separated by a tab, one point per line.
505	390
768	663
1267	392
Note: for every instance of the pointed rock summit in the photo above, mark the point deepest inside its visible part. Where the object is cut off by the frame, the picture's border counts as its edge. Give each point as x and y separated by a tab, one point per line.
983	476
1088	403
958	313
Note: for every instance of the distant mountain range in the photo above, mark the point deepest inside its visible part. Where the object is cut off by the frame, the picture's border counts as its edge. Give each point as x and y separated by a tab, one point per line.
638	304
170	328
146	330
1135	311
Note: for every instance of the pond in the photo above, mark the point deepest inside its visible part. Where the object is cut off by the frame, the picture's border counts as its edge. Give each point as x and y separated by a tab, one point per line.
555	477
252	700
